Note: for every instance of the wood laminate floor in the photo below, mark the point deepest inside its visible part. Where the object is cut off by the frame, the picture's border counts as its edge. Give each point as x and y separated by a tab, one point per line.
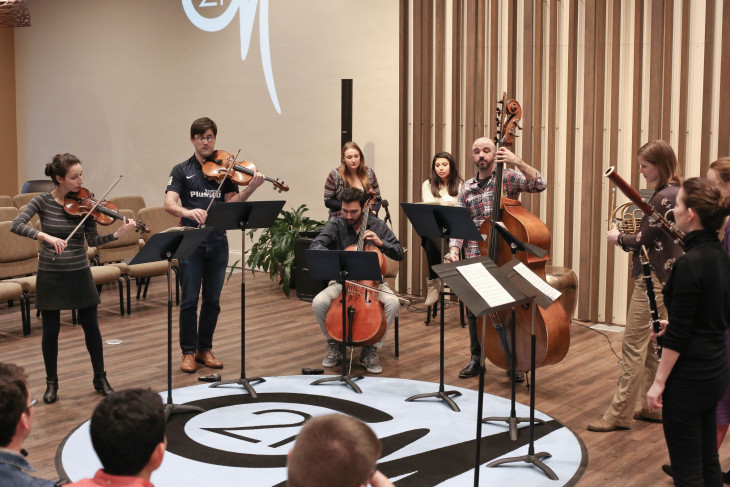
282	337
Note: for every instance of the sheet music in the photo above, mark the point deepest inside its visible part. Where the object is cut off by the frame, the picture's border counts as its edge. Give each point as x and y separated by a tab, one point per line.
485	284
535	280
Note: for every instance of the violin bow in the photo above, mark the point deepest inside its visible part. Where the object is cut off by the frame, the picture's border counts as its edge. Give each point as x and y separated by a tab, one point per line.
223	180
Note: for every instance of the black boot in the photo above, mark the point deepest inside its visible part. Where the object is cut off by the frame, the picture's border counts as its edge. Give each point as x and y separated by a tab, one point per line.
101	384
51	394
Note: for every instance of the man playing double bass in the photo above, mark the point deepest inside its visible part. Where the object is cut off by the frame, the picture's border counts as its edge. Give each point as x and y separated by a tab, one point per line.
338	235
477	196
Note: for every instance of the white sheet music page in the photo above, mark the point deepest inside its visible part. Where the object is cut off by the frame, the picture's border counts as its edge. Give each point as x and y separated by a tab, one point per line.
535	280
485	284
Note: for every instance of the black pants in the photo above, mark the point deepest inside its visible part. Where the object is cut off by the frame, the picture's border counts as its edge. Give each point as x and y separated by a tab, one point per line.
432	248
49	343
690	429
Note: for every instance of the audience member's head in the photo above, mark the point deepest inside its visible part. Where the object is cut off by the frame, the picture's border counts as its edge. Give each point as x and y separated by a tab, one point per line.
128	432
16	411
333	451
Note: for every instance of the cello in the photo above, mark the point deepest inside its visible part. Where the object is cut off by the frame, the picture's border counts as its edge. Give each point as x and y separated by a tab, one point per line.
552	327
365	313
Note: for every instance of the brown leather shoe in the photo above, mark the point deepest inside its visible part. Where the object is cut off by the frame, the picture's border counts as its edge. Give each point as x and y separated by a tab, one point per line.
208	359
645	415
603	426
188	363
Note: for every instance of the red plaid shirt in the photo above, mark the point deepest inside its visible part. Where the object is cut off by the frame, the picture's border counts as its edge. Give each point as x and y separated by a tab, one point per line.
479	202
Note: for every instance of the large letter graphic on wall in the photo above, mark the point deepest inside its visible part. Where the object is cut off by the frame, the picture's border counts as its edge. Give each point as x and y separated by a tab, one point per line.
247	12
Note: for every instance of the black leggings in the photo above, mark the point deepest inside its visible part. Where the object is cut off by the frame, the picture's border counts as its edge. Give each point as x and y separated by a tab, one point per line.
432	247
49	344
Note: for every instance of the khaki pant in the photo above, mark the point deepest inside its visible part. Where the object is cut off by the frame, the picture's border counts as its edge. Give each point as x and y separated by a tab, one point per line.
639	363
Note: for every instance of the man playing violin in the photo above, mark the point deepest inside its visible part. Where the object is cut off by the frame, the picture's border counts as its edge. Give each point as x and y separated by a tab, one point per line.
187	196
477	196
338	235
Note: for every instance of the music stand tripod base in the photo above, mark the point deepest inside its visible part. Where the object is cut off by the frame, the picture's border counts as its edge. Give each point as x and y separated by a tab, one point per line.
512	422
244	382
347	379
171	409
535	459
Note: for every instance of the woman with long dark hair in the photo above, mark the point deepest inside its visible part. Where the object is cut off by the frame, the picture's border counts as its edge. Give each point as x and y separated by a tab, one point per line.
441	188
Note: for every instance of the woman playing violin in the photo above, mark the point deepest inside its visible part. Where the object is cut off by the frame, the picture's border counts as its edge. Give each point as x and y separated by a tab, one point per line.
64	279
352	173
187	196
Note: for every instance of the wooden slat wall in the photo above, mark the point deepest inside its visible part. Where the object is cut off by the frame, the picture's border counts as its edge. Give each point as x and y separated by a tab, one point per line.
596	80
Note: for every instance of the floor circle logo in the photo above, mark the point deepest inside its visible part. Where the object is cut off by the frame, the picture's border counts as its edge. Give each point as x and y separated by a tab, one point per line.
424	442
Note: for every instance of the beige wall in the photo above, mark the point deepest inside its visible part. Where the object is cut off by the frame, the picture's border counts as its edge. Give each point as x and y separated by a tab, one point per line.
9	154
118	84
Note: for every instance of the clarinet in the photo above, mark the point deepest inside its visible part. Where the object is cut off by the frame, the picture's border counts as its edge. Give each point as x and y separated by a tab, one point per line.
654	320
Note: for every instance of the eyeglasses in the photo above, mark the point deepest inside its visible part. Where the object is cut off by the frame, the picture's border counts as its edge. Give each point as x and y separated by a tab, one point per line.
32	403
200	140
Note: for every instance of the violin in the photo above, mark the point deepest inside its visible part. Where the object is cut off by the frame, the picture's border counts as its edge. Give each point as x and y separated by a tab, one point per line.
105	213
366	314
221	165
552	327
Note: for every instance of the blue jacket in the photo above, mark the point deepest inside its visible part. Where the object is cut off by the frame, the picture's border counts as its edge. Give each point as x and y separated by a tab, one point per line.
14	472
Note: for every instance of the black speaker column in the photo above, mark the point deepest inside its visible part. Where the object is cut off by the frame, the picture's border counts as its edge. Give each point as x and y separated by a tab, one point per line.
346	124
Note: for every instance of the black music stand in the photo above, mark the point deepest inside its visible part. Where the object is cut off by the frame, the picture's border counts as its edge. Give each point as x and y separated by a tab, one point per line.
242	216
342	265
479	306
168	246
515	246
444	222
542	295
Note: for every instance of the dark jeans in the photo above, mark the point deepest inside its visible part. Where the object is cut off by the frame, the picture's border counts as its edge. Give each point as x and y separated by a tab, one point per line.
474	345
207	267
690	430
49	343
434	256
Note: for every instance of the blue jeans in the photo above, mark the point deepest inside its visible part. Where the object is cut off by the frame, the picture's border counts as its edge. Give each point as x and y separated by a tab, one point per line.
207	267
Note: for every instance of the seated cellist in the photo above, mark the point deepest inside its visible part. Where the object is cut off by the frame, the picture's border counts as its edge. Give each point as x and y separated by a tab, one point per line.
337	235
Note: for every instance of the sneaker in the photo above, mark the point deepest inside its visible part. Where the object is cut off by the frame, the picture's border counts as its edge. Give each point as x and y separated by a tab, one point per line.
370	360
333	356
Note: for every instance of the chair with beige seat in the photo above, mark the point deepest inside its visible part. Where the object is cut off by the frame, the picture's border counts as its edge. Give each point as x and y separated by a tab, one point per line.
8	213
6	200
19	264
10	291
22	199
127	246
158	220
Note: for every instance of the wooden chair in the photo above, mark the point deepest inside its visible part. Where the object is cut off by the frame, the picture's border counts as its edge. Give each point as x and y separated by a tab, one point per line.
126	247
10	291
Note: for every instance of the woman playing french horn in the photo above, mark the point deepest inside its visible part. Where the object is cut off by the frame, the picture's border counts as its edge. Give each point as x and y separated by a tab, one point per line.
658	164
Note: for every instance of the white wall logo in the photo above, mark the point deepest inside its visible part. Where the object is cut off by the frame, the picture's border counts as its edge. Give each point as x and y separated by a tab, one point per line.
246	17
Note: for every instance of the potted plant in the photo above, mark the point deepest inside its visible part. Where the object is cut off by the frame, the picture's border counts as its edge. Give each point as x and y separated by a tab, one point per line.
273	252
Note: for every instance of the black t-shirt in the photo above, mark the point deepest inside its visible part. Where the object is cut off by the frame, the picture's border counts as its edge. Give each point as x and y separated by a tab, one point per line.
195	190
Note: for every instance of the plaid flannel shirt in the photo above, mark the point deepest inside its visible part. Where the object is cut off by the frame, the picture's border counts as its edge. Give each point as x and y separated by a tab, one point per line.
479	202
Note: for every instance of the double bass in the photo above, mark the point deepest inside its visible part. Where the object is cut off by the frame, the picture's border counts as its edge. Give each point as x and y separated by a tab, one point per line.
552	326
366	323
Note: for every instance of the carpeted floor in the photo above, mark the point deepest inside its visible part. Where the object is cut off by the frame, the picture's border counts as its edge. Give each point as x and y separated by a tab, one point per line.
244	441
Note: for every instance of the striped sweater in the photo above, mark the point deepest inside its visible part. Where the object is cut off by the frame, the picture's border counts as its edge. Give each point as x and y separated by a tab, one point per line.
57	223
